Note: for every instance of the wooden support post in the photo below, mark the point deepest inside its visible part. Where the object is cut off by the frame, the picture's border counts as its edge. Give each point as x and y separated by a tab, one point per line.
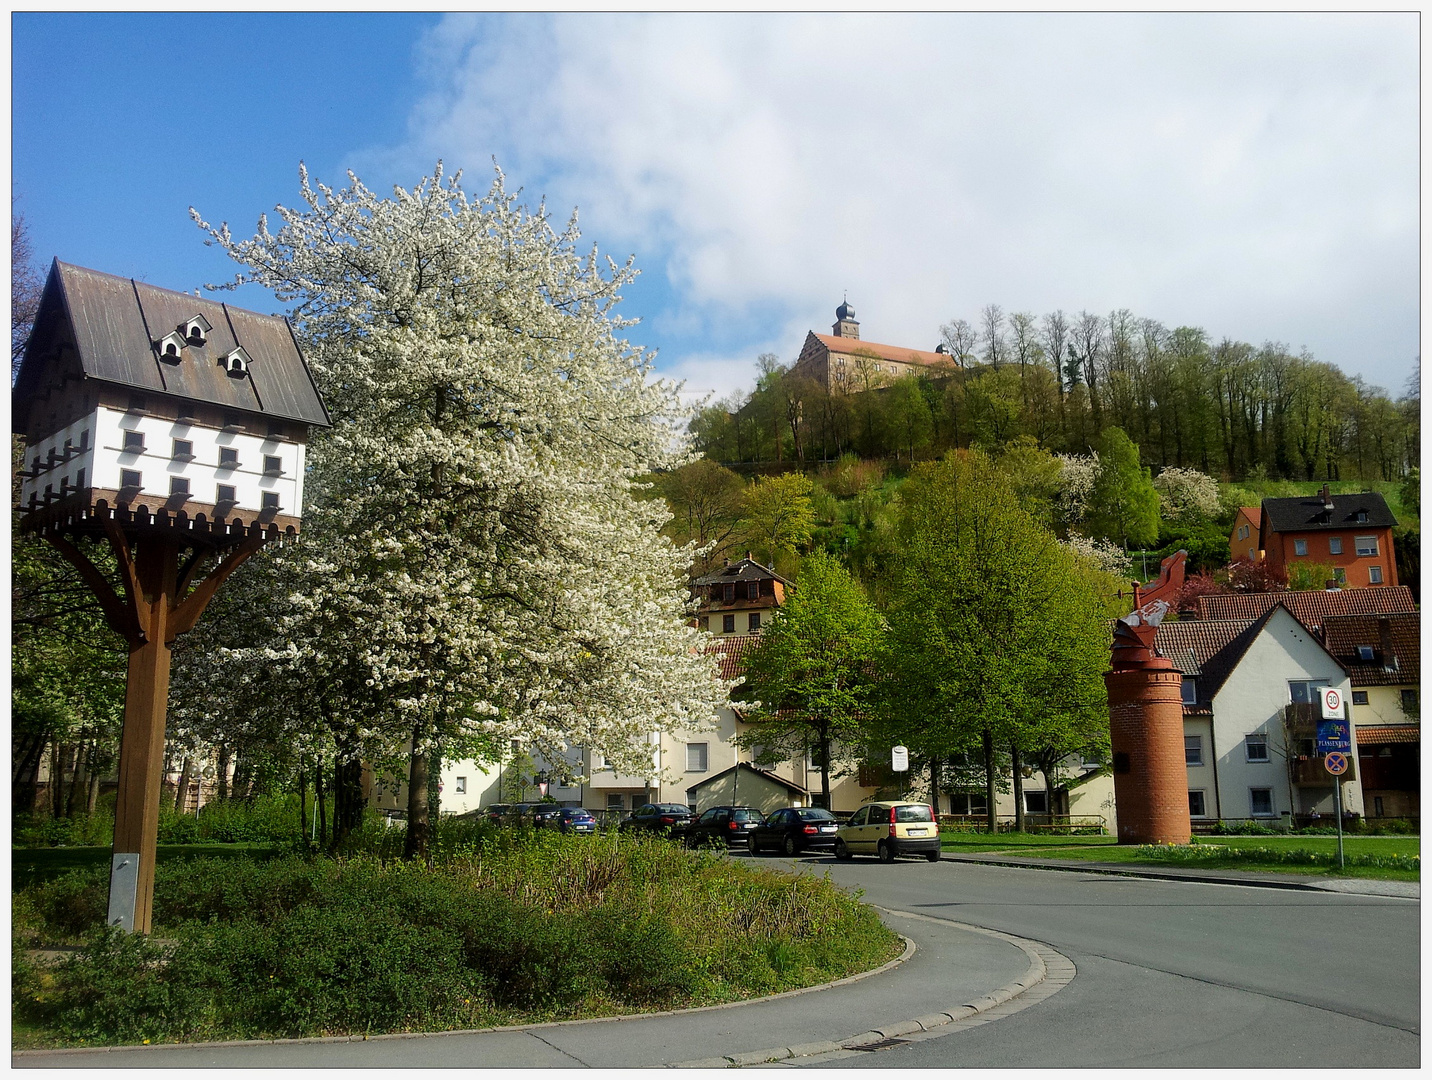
141	751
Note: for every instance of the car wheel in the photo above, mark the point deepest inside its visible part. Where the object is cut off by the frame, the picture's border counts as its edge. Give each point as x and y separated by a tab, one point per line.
842	852
932	856
790	848
887	853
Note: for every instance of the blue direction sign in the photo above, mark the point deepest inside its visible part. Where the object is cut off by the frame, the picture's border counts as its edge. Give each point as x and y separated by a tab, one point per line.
1335	763
1333	735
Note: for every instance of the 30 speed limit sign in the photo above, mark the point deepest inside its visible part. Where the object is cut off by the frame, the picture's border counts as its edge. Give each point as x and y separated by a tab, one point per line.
1332	703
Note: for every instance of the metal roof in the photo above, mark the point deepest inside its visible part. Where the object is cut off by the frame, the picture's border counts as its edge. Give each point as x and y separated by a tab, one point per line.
113	324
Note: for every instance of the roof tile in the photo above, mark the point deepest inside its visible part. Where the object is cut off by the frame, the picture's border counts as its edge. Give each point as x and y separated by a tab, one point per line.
1394	638
1308	606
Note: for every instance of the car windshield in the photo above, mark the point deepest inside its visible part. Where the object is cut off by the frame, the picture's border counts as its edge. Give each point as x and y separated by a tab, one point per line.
746	815
913	812
815	814
671	808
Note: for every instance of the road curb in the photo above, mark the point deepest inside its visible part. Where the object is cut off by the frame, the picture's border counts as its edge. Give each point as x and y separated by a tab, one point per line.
1041	959
1154	874
78	1051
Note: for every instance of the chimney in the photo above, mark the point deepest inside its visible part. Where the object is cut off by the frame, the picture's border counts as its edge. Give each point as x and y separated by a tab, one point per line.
1332	585
1384	634
749	558
1327	498
725	562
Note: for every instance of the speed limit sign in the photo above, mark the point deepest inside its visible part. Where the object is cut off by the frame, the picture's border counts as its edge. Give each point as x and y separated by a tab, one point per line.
1332	703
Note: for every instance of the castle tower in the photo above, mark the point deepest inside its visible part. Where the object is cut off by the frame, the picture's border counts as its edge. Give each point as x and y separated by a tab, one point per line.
845	324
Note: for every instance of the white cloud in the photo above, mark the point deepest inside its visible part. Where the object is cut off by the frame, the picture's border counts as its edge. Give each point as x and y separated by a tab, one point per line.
1255	175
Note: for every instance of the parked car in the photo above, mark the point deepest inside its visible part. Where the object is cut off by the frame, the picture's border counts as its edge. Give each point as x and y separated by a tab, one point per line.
657	818
888	829
543	813
724	824
794	829
508	813
569	819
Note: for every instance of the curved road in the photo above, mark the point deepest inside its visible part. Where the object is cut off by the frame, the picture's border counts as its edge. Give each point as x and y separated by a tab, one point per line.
1171	974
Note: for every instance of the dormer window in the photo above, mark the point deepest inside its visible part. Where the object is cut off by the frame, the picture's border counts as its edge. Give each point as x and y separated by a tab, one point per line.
228	457
171	348
236	363
728	593
133	442
196	330
1362	515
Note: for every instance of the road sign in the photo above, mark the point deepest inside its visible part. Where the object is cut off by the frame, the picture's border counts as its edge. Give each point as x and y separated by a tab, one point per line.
899	759
1334	736
1332	703
1335	763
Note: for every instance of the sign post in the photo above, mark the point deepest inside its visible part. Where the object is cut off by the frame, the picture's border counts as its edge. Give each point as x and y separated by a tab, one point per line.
1335	744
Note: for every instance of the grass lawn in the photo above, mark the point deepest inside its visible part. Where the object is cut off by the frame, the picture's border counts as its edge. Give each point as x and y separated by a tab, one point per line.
1405	846
32	865
973	842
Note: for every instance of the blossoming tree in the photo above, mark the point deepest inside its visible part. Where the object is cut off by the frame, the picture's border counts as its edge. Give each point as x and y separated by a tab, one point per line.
477	552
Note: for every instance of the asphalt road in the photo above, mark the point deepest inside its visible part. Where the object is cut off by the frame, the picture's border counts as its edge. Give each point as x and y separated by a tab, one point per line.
1170	974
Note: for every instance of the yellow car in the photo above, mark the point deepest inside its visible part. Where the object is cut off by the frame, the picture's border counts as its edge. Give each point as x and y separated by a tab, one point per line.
888	829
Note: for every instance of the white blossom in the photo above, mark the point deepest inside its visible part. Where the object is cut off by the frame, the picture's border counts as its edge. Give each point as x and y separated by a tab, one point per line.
1186	495
1110	558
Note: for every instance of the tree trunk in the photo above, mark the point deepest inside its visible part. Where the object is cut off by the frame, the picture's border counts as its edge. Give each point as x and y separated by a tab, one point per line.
935	785
25	792
93	794
318	798
991	816
302	803
221	774
78	781
348	799
415	845
1018	771
57	780
825	768
181	789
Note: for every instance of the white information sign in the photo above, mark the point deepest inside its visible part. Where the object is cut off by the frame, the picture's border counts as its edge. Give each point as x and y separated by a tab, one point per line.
899	759
1332	703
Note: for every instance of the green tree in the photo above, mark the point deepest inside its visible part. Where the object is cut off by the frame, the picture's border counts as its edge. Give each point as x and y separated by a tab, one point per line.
907	416
812	669
705	501
778	515
999	633
1124	506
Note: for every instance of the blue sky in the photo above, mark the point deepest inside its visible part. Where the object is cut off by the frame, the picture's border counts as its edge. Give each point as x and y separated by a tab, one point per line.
1252	175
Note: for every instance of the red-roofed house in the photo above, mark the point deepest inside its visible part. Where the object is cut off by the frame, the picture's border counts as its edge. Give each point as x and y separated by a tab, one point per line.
1309	606
1243	540
841	361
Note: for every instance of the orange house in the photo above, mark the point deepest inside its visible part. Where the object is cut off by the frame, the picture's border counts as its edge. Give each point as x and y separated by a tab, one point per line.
1350	533
1244	540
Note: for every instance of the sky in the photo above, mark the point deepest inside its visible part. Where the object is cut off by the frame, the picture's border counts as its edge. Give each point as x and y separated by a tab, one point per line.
1252	175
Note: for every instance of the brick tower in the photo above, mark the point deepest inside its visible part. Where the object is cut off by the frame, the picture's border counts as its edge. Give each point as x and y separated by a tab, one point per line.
1146	721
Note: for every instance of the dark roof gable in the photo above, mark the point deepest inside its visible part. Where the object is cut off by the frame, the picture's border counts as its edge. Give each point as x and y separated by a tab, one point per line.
1309	513
98	326
745	570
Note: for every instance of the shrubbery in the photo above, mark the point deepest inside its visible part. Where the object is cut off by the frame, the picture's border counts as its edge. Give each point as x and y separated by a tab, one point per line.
1210	853
515	925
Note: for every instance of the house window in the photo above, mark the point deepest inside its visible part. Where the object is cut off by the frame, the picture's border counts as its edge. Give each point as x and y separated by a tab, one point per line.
1305	691
1193	749
614	802
1300	547
130	478
271	501
228	457
1188	690
1374	575
1409	700
705	622
1256	747
1243	532
461	785
273	465
1340	575
178	485
969	803
1359	697
728	624
753	622
728	593
1367	545
133	442
183	450
1260	802
753	590
1335	545
1036	802
696	757
1196	806
1362	515
226	493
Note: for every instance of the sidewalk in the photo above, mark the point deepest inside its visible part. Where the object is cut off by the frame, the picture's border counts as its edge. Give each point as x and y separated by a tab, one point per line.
1408	890
962	970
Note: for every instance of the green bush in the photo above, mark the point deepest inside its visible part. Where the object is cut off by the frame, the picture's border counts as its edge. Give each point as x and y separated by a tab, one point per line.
1208	853
512	924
